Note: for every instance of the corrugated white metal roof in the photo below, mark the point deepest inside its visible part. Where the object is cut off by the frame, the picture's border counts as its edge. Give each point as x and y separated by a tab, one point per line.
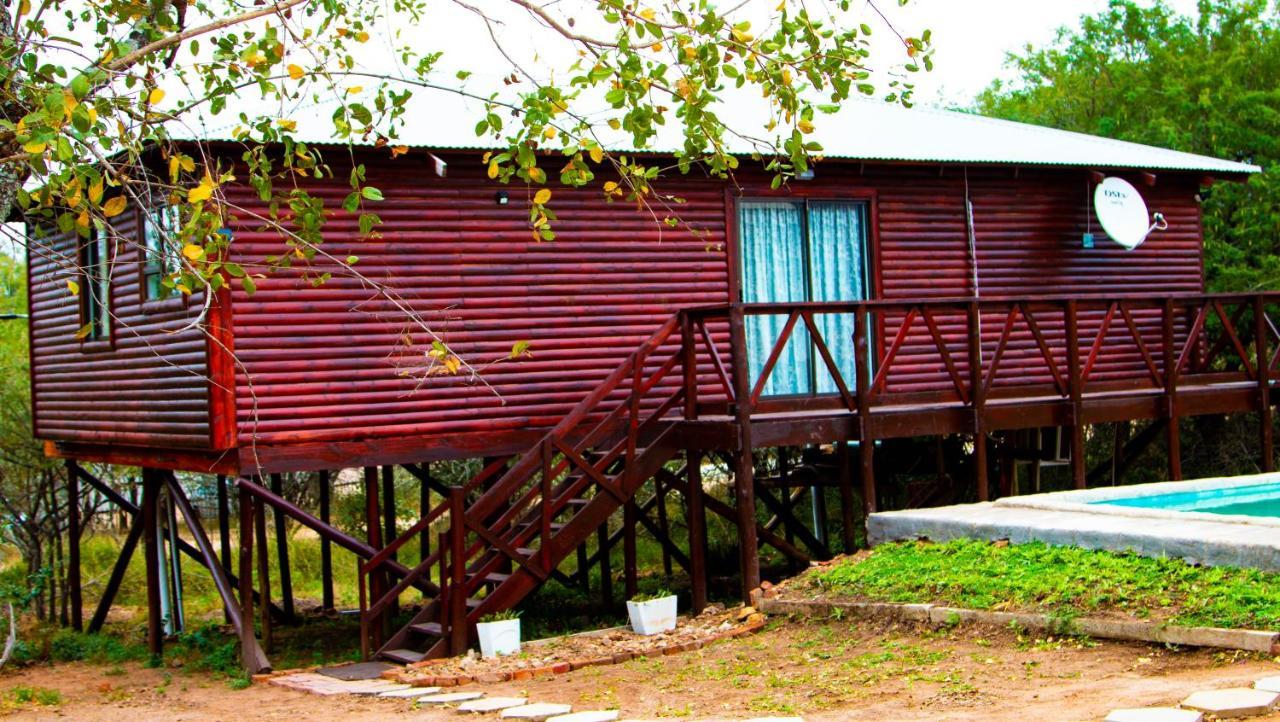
861	130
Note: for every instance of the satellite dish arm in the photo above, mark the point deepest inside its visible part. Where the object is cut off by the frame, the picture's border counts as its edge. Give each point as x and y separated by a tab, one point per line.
1158	223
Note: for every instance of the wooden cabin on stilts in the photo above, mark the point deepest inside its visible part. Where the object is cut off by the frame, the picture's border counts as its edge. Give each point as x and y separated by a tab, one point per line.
939	277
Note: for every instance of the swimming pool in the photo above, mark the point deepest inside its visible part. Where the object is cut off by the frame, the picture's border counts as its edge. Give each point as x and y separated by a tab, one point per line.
1260	500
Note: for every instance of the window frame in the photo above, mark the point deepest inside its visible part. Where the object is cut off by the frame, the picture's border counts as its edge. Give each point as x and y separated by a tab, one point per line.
93	261
159	256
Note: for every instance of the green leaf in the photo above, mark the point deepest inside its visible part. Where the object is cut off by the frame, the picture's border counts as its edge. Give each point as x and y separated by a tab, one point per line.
249	286
371	193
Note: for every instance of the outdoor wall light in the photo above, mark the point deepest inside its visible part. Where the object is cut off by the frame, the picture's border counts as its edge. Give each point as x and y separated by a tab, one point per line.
501	198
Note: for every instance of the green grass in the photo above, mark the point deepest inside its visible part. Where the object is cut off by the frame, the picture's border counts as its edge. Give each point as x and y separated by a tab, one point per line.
1065	581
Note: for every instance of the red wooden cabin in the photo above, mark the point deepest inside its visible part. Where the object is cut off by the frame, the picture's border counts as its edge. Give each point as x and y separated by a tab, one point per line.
945	288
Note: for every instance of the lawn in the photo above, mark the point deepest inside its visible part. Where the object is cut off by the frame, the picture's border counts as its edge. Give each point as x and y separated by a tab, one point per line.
1064	581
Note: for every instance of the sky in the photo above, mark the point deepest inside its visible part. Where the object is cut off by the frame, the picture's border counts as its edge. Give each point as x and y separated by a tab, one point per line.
973	37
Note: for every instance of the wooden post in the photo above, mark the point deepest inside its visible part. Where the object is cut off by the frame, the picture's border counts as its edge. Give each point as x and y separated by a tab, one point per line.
264	573
424	508
660	493
1263	363
629	572
977	399
1171	391
282	550
606	571
373	532
151	545
73	546
844	471
224	529
246	568
389	527
697	522
866	434
458	567
744	464
326	547
1075	386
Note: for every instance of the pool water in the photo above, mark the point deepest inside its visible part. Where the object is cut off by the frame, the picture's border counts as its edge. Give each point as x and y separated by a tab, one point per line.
1249	500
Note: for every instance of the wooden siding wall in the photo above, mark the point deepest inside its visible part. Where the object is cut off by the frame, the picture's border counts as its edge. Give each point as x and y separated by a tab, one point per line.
323	364
145	387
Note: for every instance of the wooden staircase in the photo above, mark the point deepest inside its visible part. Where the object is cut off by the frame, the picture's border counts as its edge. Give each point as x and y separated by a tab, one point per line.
511	526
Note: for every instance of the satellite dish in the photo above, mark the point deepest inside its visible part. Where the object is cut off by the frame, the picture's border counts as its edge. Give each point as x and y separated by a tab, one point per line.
1123	213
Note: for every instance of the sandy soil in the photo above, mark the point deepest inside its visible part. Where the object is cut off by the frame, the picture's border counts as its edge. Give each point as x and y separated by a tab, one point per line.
833	671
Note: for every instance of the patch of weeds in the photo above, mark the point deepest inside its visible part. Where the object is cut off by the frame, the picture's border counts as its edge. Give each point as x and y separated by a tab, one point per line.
240	682
767	703
669	711
27	696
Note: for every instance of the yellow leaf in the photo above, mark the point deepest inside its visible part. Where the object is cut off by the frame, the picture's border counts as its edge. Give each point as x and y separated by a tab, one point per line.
114	207
173	168
24	7
35	146
613	123
95	191
493	169
296	72
537	175
362	36
84	331
648	14
192	252
156	96
93	115
69	102
542	196
597	155
201	192
355	89
610	187
453	363
183	288
73	287
805	126
399	150
549	133
286	124
188	164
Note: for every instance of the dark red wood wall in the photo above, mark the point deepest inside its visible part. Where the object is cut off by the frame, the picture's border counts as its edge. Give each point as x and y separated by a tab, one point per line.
146	386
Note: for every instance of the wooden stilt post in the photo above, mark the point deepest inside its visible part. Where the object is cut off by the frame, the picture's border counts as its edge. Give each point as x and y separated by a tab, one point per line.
424	508
697	522
1262	360
1075	387
744	460
629	571
458	631
282	550
583	572
224	528
389	532
660	492
150	512
264	574
246	504
844	473
326	547
73	546
606	571
1171	392
866	432
373	530
977	399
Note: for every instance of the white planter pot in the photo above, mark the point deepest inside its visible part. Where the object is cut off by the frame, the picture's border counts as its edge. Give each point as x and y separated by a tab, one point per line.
499	638
654	616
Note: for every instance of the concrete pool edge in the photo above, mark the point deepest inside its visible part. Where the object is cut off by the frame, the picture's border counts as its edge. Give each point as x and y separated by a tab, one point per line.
1196	537
1094	501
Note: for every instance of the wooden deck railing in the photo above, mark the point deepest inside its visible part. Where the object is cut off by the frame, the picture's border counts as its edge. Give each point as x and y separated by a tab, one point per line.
996	359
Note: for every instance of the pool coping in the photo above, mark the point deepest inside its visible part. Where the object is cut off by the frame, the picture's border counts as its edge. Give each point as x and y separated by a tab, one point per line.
1093	501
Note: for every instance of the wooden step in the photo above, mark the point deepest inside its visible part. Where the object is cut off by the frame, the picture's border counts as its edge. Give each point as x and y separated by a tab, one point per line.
402	656
496	577
431	629
579	502
555	525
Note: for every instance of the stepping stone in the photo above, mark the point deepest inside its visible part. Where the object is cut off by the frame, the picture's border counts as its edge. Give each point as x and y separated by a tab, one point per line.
372	687
1232	703
537	711
492	704
361	670
608	715
1154	714
1269	684
410	693
449	697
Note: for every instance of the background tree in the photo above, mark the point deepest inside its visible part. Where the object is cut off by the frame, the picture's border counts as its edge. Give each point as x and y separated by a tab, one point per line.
1209	85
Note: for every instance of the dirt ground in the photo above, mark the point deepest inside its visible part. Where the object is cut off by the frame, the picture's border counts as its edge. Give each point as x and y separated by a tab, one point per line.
837	670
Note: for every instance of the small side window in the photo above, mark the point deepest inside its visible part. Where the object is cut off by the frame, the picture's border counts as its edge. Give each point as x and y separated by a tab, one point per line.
160	246
95	296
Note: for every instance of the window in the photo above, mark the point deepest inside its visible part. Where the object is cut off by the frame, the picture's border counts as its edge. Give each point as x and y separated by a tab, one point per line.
795	252
95	296
160	248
